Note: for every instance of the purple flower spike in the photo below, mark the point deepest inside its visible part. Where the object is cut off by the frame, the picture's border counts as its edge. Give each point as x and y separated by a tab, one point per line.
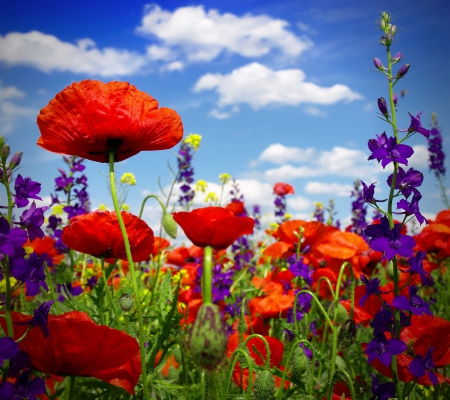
382	391
31	220
415	303
372	287
416	267
382	349
437	156
382	106
416	126
10	239
26	189
424	365
387	150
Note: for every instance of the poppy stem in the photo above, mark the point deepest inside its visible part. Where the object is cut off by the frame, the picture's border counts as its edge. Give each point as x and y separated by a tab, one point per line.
108	293
71	386
207	276
133	273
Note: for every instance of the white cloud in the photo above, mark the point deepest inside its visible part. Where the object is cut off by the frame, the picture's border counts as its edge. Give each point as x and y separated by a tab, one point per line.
193	34
279	154
420	157
10	112
316	112
328	188
47	53
259	86
339	161
298	203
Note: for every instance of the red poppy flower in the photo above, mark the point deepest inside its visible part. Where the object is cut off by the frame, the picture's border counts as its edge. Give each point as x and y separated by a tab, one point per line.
272	306
78	346
213	226
282	189
236	207
98	234
90	119
159	245
45	245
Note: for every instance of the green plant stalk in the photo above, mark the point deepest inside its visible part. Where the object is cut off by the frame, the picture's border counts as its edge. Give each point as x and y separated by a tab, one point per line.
266	343
443	192
71	387
232	365
207	276
108	293
391	220
52	288
133	274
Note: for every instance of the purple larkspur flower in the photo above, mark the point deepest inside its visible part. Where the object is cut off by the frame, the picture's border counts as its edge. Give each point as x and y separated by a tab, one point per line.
26	389
382	106
436	155
416	267
10	239
20	361
300	269
424	365
31	271
302	307
185	174
8	349
416	126
221	283
372	287
382	349
368	193
383	320
359	210
389	241
32	220
40	317
406	182
412	208
68	289
25	189
387	150
382	391
77	165
415	303
63	182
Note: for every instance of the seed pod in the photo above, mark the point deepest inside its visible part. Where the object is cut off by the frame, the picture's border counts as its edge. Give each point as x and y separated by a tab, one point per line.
207	339
126	302
347	334
173	373
300	364
264	386
342	314
169	225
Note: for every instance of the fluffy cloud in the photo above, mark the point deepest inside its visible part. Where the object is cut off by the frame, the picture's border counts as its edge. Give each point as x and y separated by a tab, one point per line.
328	188
259	86
420	157
10	112
193	34
340	161
47	53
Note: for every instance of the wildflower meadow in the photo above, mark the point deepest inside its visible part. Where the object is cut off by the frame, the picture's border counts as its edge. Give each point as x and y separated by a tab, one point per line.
95	304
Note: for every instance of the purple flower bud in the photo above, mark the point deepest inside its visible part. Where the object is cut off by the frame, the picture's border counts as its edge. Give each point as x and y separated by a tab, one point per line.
402	71
5	152
383	40
378	64
388	39
397	57
395	98
382	106
15	160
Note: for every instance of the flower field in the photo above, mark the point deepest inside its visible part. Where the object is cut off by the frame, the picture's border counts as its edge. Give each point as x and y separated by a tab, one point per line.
96	305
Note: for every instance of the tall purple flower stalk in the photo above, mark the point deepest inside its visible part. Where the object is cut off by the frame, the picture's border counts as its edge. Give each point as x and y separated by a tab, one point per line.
185	175
359	210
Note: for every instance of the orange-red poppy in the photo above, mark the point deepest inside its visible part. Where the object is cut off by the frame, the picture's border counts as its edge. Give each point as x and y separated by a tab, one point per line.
45	245
236	207
78	346
213	226
159	245
272	306
91	118
98	234
282	189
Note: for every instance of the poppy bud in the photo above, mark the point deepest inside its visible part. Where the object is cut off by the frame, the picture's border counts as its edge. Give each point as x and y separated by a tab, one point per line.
342	314
15	160
299	364
169	225
126	302
402	71
207	338
264	386
378	64
5	152
347	334
382	106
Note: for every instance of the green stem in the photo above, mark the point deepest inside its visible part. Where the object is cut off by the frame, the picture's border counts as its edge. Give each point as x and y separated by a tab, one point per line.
108	293
52	288
207	276
443	192
71	386
134	280
145	200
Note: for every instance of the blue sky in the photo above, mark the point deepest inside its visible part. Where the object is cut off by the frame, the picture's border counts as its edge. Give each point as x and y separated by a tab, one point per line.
279	91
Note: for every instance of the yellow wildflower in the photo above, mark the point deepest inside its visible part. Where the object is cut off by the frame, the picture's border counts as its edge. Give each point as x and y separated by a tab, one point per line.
287	216
201	186
211	197
225	178
128	179
102	207
58	209
124	207
193	140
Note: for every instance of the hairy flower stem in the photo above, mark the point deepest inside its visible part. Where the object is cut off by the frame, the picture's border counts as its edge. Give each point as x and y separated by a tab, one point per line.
207	276
109	294
391	220
133	273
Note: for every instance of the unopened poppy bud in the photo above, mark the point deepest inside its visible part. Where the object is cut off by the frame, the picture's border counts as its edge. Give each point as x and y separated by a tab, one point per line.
264	386
342	314
402	71
207	338
378	64
382	106
169	225
300	364
15	160
5	152
347	334
126	302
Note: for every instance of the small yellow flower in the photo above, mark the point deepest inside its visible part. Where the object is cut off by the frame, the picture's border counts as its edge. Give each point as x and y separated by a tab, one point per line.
225	178
58	209
318	205
124	207
201	186
193	140
287	216
128	179
211	197
102	207
274	225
